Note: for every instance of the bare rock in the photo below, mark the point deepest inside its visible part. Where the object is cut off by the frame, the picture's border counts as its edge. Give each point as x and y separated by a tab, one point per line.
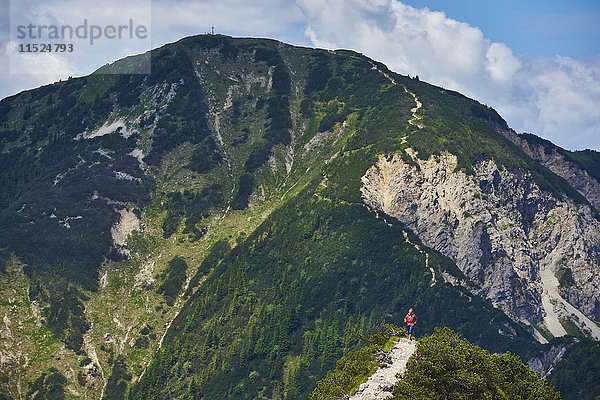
501	230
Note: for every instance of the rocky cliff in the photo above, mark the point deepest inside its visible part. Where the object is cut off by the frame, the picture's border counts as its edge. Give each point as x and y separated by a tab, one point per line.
534	255
558	161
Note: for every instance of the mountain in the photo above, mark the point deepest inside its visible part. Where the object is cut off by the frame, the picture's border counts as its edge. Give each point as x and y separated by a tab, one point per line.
229	225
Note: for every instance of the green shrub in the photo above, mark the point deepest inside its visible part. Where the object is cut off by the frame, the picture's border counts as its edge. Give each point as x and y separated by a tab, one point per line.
194	207
49	386
576	375
116	386
446	366
173	279
242	195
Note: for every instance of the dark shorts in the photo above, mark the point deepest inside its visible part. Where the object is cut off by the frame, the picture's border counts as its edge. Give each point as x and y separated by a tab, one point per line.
410	329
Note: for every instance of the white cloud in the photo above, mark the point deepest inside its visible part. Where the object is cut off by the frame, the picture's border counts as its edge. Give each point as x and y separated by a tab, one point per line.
566	96
29	71
557	98
501	63
21	70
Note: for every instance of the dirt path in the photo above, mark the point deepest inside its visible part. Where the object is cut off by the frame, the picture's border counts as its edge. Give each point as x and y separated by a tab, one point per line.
380	384
416	119
387	76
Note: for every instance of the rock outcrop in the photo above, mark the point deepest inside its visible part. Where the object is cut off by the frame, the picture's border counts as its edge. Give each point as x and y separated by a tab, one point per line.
545	362
552	158
535	256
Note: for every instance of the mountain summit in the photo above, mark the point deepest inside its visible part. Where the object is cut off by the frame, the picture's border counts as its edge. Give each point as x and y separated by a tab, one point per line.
229	225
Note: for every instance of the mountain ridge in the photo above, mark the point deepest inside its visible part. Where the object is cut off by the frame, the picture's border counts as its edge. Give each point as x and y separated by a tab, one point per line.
176	183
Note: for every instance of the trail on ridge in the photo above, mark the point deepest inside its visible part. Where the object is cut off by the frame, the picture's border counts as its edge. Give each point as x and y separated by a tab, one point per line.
380	384
416	119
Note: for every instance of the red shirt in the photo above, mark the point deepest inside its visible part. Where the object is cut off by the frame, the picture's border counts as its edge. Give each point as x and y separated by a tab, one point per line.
410	319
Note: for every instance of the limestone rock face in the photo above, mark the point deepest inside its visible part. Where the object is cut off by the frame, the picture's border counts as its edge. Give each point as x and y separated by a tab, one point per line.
547	360
556	162
502	231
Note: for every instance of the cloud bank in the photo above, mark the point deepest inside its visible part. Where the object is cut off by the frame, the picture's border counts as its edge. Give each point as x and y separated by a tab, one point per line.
555	97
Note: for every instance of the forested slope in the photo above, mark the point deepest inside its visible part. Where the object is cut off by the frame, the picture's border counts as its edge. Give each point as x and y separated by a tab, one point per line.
202	229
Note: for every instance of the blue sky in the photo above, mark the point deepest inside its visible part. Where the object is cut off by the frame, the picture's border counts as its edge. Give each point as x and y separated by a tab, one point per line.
537	61
530	27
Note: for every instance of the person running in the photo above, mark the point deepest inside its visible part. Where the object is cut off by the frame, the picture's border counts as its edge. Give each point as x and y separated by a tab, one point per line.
410	320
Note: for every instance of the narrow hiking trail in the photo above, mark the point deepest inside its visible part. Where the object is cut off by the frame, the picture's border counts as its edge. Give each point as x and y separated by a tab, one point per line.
416	120
387	76
380	384
409	242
